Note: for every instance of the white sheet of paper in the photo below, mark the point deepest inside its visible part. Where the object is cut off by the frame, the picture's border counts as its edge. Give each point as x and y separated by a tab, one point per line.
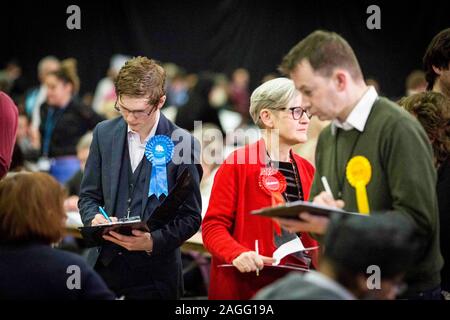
295	245
73	220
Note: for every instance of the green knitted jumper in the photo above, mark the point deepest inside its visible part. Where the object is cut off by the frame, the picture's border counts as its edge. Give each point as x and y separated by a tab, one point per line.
403	177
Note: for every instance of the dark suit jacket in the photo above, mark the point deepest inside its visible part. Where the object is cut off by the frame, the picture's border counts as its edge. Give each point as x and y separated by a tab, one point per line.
39	272
100	184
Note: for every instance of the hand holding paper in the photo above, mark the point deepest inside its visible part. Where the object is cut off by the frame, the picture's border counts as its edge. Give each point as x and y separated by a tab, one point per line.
250	261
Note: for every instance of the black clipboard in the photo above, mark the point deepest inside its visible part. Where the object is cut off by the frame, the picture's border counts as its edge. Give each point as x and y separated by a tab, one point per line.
93	235
291	210
164	213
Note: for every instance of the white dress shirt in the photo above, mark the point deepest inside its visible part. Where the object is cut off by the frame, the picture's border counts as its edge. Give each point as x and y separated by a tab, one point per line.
135	147
358	117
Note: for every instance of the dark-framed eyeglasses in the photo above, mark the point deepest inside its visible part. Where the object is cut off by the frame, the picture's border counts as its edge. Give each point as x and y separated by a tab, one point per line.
297	112
136	113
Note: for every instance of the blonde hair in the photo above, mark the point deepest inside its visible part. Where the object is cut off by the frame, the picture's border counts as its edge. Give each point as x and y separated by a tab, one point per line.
85	141
273	94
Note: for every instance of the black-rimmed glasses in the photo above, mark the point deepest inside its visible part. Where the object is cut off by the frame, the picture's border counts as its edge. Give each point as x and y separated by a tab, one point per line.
136	113
297	113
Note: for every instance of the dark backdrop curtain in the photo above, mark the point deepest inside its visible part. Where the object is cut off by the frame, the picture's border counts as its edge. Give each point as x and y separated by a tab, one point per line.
218	35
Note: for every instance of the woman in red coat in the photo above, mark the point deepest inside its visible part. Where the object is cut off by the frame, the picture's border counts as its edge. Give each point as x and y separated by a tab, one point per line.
256	176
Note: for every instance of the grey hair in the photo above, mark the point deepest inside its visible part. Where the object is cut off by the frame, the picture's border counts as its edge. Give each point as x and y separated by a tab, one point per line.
44	60
273	94
85	141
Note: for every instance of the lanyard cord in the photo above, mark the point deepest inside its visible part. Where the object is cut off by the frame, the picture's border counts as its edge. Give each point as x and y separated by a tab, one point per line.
341	180
296	174
49	126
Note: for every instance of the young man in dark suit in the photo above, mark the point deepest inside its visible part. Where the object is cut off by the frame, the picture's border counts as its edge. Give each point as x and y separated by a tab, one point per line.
133	161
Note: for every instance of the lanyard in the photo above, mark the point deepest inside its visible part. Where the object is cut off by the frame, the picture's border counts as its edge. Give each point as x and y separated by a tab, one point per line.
340	180
49	126
296	174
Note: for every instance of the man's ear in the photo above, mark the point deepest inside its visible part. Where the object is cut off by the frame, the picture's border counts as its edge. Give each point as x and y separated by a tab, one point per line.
161	102
340	79
266	118
437	70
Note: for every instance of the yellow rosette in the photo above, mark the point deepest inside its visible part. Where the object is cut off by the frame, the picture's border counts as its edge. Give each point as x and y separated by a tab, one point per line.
358	174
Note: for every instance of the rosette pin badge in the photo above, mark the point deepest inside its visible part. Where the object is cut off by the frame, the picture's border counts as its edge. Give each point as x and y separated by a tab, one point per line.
359	172
159	151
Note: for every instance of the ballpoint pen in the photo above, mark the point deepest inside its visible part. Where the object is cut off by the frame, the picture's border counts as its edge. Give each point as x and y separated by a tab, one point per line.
103	212
257	252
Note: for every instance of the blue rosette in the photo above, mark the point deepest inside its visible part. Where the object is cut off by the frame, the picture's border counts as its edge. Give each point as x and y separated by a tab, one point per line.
159	151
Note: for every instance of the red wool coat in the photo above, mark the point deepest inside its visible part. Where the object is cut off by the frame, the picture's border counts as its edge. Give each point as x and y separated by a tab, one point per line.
228	228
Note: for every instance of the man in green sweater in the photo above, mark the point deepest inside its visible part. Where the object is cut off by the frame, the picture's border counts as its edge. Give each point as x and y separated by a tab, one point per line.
375	156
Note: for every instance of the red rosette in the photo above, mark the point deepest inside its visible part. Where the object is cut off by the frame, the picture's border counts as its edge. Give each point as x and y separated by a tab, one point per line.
271	181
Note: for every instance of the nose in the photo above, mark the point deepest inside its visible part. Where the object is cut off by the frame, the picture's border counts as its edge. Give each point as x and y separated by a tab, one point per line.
130	114
304	118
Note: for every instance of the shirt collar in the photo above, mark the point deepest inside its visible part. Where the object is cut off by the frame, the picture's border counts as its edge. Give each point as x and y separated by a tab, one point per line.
152	132
358	117
327	283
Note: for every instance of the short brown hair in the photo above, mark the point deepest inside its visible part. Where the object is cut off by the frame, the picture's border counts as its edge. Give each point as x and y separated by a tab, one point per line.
438	55
141	77
31	208
432	109
325	51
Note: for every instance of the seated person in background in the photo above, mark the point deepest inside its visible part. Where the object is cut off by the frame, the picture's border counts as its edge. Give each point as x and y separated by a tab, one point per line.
31	219
27	140
355	248
73	185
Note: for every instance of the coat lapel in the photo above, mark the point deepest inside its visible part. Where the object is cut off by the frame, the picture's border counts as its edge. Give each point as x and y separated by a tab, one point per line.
163	129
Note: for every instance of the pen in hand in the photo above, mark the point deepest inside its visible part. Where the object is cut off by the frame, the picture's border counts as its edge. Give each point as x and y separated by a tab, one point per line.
257	252
327	186
103	212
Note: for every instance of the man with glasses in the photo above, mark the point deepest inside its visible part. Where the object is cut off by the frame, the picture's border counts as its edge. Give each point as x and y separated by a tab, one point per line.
375	156
123	175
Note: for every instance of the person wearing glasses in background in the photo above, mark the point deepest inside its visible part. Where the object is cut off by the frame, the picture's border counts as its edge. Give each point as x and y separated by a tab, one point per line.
259	175
119	176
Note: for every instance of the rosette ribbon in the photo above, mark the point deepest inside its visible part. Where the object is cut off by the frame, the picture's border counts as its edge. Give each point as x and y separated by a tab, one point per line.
159	151
359	172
